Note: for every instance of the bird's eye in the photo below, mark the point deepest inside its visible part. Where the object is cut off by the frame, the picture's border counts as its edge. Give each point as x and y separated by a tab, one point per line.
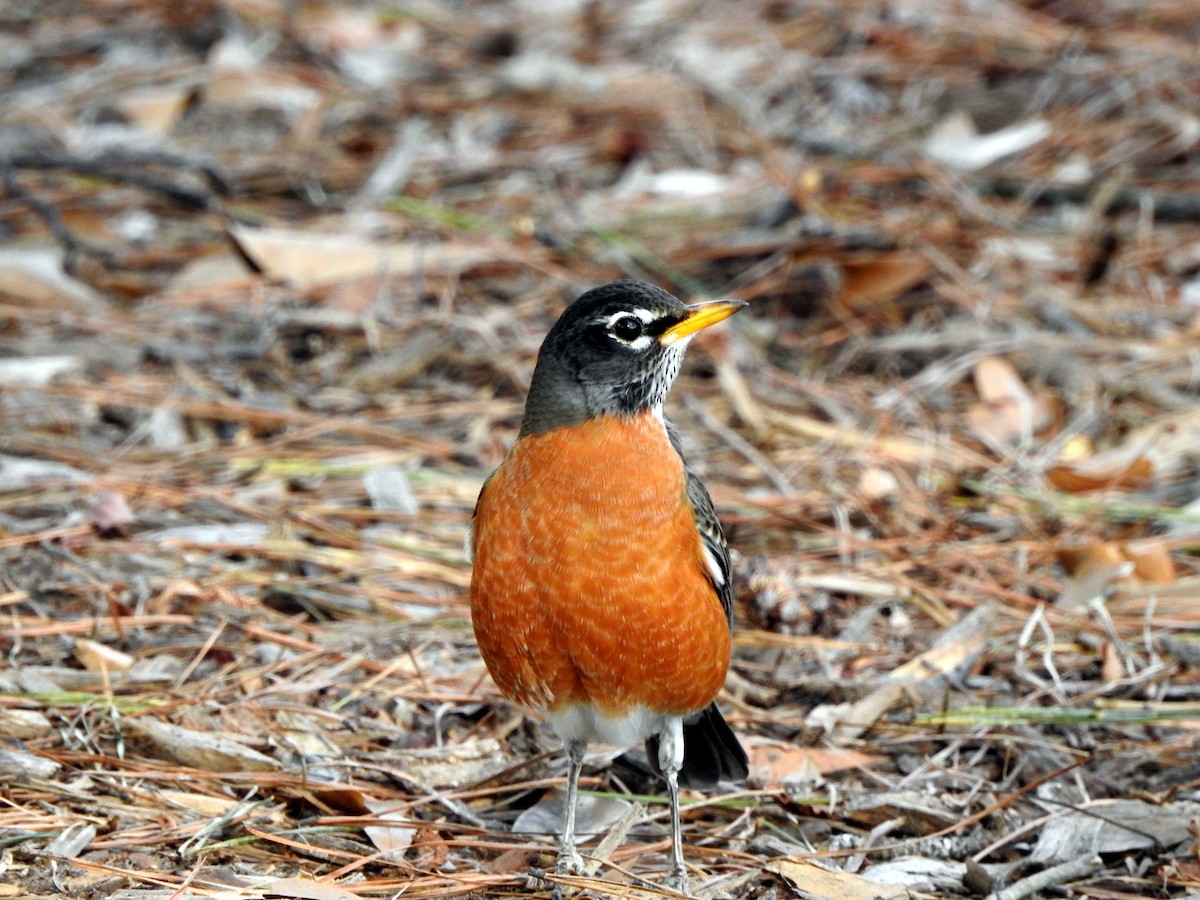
627	328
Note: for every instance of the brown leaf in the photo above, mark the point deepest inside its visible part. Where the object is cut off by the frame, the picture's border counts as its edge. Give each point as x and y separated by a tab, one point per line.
813	882
1008	411
1083	557
1148	559
154	109
1120	468
997	379
1111	668
342	797
516	860
1151	560
874	281
431	849
775	763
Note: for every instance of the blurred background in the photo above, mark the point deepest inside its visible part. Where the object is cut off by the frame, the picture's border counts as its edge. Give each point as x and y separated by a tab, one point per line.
273	276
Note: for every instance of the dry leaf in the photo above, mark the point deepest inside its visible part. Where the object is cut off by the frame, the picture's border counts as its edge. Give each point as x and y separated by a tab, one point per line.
154	109
225	269
98	658
1008	411
306	889
19	767
813	882
1081	557
1170	440
593	815
1112	669
36	371
430	850
34	277
1009	421
1114	826
955	142
308	258
997	379
390	840
456	764
199	749
774	763
71	841
346	799
1122	468
1148	559
921	812
511	861
23	724
204	804
109	512
956	646
874	281
1151	560
877	484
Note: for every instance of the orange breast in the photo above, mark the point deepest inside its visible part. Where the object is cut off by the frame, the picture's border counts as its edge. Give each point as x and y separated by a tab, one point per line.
589	580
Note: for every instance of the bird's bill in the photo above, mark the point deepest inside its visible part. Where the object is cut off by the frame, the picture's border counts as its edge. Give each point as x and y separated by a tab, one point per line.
700	315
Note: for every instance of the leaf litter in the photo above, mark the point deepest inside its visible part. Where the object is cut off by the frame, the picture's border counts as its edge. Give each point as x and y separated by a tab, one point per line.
274	283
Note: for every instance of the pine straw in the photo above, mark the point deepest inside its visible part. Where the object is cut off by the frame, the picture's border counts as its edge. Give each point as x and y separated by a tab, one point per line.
264	682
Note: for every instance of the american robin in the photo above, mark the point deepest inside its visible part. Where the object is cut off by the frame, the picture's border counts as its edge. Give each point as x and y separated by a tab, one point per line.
601	588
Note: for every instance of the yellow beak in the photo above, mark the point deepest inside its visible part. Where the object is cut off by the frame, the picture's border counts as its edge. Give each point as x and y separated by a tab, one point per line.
700	315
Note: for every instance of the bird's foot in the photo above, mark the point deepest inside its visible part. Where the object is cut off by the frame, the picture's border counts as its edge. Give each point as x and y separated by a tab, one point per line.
677	880
569	862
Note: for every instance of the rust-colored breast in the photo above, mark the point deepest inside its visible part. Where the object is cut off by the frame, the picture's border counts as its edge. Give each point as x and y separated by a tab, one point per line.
589	581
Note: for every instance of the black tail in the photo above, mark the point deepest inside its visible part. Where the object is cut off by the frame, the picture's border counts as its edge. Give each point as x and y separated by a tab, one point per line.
711	751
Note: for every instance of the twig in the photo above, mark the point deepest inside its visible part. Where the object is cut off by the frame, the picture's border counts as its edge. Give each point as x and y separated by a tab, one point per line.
1102	507
854	863
197	842
1172	207
1037	620
72	245
124	167
739	444
116	163
1054	876
614	838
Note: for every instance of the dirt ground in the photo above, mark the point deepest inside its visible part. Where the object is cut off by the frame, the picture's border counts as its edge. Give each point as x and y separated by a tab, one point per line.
273	276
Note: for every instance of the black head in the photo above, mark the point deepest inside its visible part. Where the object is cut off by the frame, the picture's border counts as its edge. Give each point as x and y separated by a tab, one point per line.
616	350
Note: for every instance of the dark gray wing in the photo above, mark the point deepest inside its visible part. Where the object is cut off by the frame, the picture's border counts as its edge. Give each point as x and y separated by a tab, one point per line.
717	549
711	751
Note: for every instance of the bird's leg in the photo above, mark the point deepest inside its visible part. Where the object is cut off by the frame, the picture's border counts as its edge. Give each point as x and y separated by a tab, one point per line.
670	761
569	861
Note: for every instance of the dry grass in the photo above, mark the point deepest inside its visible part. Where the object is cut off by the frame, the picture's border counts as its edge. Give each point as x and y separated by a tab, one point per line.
953	440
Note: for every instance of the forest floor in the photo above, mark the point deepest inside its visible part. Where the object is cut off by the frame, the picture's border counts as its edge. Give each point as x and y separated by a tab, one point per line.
273	277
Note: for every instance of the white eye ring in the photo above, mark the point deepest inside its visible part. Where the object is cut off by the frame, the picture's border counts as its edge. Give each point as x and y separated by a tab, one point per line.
638	341
620	327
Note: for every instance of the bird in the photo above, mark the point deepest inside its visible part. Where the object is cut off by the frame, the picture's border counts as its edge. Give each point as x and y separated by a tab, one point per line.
601	591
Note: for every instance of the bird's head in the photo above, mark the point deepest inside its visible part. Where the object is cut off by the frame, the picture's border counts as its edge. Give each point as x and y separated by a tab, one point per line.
614	351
